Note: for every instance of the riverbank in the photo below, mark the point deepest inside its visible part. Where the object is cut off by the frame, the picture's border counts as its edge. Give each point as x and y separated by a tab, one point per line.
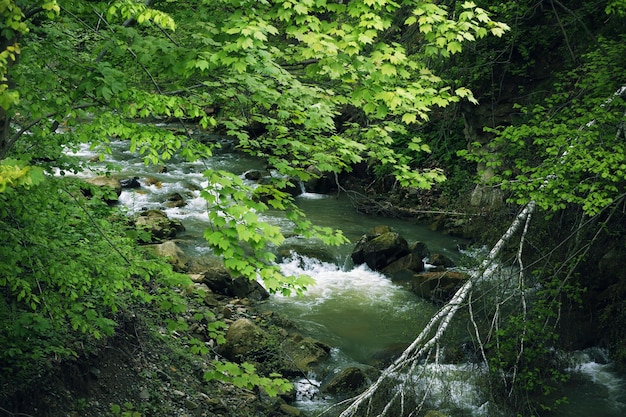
145	370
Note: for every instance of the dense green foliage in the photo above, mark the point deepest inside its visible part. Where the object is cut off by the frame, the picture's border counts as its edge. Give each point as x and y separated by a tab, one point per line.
568	149
65	277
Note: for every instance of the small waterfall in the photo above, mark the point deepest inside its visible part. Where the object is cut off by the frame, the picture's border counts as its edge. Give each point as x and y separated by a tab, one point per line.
308	195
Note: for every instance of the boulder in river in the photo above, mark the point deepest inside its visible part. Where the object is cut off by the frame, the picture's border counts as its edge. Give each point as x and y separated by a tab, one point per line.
158	225
130	182
378	251
175	200
219	280
420	250
440	260
404	268
350	380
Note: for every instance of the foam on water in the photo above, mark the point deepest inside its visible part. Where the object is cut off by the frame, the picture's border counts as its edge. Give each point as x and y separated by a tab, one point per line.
313	196
359	284
452	387
595	381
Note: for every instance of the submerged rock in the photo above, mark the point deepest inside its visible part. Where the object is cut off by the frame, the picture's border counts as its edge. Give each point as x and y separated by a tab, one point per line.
348	381
437	286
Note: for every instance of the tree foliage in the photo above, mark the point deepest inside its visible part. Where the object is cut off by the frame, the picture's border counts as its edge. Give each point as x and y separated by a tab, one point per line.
276	74
65	276
567	149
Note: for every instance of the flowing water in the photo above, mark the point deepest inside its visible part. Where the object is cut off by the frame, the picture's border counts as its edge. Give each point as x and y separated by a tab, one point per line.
361	313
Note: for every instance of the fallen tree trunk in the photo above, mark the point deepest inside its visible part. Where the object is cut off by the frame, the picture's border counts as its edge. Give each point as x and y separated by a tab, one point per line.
426	340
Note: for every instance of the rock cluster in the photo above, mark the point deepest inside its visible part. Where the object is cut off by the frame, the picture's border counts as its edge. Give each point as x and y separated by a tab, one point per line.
271	343
388	252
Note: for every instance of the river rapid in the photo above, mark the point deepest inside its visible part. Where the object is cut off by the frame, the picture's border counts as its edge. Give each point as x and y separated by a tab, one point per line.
360	313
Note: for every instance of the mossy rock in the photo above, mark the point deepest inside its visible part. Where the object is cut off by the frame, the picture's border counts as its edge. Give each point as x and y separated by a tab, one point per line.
380	251
303	353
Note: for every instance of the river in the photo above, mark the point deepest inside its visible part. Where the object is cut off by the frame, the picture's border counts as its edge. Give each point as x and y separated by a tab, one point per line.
361	313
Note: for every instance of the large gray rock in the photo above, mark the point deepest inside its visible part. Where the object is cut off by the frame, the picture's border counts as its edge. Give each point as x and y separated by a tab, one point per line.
173	253
247	341
380	251
244	339
158	225
303	353
242	287
219	280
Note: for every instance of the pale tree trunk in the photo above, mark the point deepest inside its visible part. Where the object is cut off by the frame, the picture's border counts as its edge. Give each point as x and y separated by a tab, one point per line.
436	327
